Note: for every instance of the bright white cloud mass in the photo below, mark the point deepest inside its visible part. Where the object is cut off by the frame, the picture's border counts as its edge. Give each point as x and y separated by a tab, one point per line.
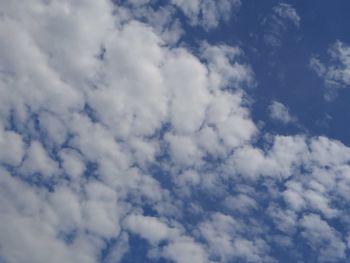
114	133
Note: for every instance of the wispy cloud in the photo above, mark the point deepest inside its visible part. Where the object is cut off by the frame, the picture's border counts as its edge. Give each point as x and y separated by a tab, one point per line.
336	71
283	17
279	112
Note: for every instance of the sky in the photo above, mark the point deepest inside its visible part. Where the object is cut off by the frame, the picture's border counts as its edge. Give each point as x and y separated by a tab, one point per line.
185	131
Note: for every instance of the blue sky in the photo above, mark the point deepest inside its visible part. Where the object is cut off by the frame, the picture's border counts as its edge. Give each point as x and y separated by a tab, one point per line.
185	131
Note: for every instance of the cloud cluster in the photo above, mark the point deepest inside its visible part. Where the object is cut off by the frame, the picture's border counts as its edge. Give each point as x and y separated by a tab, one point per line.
87	96
110	131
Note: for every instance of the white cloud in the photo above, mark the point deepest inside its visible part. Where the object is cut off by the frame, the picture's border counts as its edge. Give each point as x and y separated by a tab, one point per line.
241	203
224	71
289	12
283	18
226	240
67	207
11	148
90	91
149	228
279	112
323	238
183	150
185	251
187	80
38	161
207	13
72	163
336	71
180	248
101	210
120	122
30	225
281	160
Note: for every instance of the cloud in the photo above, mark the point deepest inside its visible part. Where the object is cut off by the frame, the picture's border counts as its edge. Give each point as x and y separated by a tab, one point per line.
37	161
283	18
280	160
334	72
149	228
207	13
82	124
12	148
110	130
288	12
279	112
227	242
323	238
185	251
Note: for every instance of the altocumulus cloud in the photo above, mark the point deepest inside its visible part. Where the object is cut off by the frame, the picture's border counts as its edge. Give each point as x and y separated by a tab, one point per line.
110	131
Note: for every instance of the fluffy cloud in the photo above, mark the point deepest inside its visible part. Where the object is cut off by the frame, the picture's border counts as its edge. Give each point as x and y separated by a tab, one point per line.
12	148
281	160
227	242
80	111
323	238
110	130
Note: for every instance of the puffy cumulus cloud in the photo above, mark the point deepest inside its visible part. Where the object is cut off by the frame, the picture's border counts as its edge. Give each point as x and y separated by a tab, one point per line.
109	130
50	34
12	148
281	113
32	220
179	247
133	87
185	250
158	14
228	240
190	92
284	17
334	72
242	203
38	161
320	191
281	160
310	184
224	69
323	238
150	228
87	95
